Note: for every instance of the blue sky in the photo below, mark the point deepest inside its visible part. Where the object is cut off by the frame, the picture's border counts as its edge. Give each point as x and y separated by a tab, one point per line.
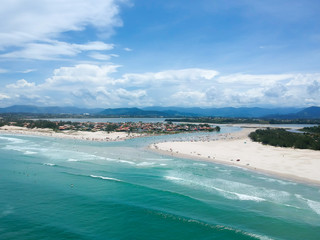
136	53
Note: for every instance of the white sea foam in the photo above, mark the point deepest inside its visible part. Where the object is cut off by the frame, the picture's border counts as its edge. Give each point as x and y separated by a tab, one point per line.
106	178
49	164
277	181
200	164
30	152
248	197
173	178
15	148
314	205
159	159
237	196
144	164
258	236
230	189
13	140
72	160
289	205
24	150
128	162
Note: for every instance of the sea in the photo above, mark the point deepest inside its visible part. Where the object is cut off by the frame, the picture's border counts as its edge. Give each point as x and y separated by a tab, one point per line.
70	189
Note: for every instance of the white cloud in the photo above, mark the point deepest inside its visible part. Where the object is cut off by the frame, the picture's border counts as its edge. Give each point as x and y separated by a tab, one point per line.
97	45
85	74
303	79
55	49
254	79
107	97
3	96
102	57
28	70
46	19
127	49
188	98
276	91
95	85
170	76
21	84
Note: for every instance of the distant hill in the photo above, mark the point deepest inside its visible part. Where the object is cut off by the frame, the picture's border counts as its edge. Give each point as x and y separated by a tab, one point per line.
276	113
137	112
311	112
48	110
307	113
229	111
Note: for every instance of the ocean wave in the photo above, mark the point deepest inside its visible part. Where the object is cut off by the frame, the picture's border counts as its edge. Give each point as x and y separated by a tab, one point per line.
72	160
27	149
199	164
13	140
236	232
228	189
173	178
106	178
145	164
238	196
49	164
30	152
126	161
159	159
314	205
15	148
267	179
248	197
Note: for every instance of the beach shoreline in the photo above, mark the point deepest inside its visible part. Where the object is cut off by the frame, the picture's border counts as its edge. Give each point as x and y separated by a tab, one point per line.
233	149
238	150
99	136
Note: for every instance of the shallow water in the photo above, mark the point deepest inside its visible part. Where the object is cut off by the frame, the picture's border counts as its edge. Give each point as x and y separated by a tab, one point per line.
67	189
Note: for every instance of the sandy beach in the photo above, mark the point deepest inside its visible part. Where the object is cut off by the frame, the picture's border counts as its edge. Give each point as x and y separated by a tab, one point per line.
238	150
70	134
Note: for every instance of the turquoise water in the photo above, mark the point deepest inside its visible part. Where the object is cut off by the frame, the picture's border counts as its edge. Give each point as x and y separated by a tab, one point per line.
67	189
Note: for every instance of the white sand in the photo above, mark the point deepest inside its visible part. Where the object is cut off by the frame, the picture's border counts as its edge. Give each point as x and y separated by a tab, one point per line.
295	164
79	135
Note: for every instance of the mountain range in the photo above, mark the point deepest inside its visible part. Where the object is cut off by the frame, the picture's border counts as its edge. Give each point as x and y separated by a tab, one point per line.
243	112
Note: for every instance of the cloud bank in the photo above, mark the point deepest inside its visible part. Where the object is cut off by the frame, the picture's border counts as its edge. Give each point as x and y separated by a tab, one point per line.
93	85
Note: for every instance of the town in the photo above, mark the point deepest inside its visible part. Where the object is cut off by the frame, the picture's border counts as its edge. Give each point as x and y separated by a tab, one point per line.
133	127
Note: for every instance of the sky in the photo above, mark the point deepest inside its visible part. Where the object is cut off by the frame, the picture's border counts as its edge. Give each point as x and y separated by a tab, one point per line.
139	53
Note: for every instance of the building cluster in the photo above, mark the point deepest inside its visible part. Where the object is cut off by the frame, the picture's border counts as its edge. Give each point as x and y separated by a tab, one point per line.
135	127
139	127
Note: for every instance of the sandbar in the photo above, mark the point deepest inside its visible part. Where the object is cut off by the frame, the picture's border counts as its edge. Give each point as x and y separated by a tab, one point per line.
70	134
237	149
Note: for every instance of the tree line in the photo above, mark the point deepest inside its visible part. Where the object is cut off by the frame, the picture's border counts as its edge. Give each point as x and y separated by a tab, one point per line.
309	138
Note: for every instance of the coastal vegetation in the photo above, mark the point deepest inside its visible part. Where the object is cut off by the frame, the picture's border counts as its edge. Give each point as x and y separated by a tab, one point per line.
309	138
315	130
